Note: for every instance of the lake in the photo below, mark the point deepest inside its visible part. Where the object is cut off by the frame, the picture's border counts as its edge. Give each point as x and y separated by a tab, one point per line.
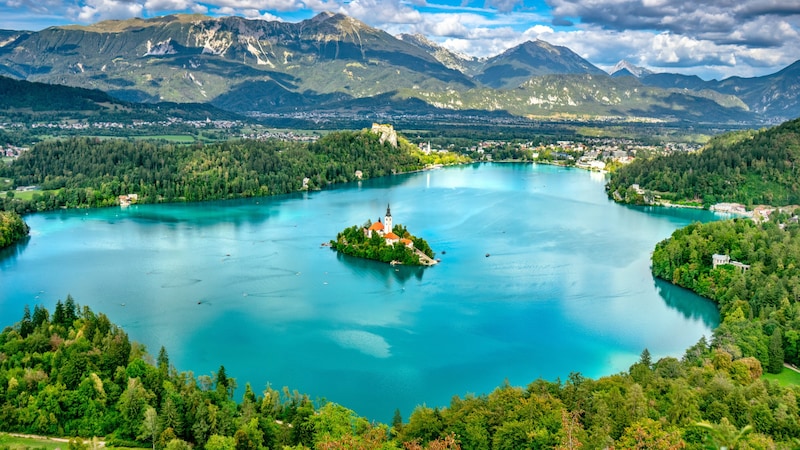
246	284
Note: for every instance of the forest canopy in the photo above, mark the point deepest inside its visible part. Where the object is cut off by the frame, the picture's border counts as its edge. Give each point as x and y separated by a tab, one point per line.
12	229
354	241
760	305
89	172
73	373
748	167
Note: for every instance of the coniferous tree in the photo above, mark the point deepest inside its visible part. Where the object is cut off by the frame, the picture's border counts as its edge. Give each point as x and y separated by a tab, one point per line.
40	315
59	316
26	325
775	352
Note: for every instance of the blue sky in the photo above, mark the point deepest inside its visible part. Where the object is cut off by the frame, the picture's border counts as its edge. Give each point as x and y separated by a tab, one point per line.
712	39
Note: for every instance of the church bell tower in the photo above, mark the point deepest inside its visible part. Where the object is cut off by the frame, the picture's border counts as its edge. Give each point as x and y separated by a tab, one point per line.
387	221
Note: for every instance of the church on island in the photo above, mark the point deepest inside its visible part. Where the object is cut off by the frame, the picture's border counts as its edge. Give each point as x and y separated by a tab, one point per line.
384	241
384	229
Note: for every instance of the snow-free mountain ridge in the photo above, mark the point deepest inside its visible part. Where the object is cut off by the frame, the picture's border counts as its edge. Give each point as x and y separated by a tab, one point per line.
333	62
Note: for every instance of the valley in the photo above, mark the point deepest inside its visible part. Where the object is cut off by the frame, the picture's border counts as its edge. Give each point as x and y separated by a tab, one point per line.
182	176
336	66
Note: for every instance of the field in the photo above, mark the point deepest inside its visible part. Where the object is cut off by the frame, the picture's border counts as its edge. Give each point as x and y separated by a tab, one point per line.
23	443
28	195
787	377
30	442
177	138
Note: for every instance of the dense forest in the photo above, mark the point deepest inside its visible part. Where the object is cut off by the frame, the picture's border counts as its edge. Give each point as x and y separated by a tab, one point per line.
354	242
748	167
74	373
25	102
88	172
760	306
12	228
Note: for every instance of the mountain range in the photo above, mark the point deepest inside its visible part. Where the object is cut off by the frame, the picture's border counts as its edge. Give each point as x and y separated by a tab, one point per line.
336	64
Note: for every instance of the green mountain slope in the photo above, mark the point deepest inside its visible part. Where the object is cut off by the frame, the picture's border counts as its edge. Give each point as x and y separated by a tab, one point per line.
196	58
30	101
518	64
318	65
774	96
586	96
749	167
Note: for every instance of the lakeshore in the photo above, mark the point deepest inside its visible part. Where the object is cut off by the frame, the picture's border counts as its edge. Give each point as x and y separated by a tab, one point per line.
376	337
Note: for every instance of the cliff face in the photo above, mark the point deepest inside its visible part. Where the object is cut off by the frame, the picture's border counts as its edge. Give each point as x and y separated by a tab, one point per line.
386	132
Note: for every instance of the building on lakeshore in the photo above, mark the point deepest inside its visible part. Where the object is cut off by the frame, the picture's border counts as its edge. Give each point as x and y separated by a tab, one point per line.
721	260
127	200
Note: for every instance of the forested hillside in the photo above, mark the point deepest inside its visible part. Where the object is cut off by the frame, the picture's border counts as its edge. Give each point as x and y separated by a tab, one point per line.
25	101
86	172
74	373
12	228
749	167
759	306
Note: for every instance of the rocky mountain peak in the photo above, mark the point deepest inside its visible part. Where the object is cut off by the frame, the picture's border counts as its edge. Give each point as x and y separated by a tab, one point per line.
631	69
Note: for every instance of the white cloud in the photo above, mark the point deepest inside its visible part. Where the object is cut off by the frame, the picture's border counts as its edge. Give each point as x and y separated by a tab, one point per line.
719	38
224	11
167	5
44	7
256	14
96	10
503	5
381	12
261	5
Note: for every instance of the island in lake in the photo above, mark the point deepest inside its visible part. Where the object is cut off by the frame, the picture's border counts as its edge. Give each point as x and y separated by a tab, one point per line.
385	242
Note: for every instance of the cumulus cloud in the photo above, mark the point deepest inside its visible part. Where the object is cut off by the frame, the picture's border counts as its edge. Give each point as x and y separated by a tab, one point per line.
718	38
381	12
503	5
256	14
95	10
722	21
167	5
35	6
265	5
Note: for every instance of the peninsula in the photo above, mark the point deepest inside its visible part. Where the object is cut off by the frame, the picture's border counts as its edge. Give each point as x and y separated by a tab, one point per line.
385	242
12	228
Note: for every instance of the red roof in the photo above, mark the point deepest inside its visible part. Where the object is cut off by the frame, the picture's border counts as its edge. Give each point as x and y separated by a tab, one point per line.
405	241
377	226
391	235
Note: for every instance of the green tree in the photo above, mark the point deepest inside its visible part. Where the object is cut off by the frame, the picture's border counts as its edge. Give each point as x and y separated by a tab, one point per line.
650	435
150	426
775	352
132	406
217	442
397	422
724	434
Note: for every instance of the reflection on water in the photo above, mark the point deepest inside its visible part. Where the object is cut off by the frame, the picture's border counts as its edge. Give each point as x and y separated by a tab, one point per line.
690	305
364	267
8	254
246	283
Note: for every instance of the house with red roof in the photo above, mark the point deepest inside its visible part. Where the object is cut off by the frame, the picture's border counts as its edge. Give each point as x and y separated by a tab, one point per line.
384	229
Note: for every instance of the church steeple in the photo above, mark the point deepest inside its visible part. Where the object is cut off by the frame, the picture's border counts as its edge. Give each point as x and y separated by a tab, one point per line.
387	221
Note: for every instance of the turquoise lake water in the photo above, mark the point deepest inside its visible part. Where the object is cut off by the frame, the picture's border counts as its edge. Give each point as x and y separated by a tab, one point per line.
566	288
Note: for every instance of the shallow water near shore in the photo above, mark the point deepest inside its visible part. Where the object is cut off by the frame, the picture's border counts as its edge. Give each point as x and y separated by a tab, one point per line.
246	284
